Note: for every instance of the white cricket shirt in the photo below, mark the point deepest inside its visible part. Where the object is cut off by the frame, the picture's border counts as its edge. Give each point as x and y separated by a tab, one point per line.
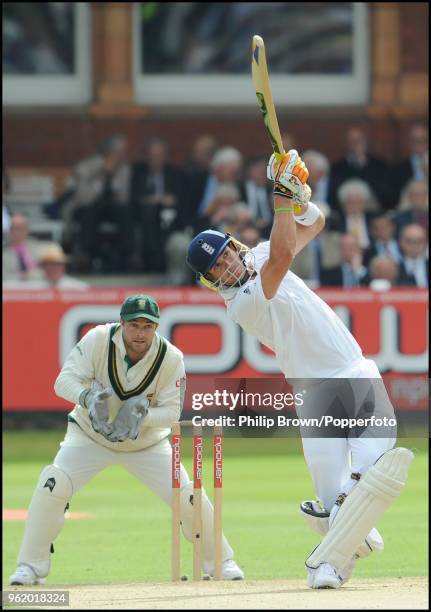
308	338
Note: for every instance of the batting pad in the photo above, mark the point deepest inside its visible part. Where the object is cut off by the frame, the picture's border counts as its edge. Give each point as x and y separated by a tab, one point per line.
370	498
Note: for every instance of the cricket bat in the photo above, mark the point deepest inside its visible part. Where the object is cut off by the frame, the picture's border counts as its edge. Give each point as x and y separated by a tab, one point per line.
259	71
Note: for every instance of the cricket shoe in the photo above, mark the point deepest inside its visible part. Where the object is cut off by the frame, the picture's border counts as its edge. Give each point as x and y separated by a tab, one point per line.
230	570
324	577
25	575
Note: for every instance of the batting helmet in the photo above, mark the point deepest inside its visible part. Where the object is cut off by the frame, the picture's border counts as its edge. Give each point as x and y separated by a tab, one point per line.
204	250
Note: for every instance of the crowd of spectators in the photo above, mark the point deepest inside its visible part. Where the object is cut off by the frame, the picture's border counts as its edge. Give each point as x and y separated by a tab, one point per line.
122	217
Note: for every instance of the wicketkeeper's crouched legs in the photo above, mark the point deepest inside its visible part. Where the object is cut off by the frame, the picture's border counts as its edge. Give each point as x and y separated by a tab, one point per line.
78	460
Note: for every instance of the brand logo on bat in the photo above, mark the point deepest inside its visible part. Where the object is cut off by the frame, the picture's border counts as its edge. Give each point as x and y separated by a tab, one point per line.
264	110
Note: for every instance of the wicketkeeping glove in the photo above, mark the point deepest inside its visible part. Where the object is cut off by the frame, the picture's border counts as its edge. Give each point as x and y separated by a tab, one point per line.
95	402
129	419
290	177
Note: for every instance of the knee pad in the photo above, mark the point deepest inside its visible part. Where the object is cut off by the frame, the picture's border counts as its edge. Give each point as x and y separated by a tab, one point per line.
54	482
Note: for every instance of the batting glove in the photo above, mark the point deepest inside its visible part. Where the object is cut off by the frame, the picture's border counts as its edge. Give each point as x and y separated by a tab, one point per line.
129	419
290	176
98	412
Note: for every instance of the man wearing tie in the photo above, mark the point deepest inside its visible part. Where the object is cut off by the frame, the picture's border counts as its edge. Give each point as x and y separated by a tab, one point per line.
351	272
356	201
416	164
414	264
382	230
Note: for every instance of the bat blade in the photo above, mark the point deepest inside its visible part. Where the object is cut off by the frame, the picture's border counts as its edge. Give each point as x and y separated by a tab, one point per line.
259	71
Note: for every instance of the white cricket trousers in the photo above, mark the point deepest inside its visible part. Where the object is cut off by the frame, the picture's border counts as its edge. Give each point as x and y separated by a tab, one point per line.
331	460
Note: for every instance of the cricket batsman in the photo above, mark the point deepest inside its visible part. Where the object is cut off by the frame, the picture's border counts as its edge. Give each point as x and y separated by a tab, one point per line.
127	383
356	477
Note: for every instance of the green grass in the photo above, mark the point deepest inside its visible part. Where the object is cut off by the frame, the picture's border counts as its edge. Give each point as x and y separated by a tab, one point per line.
128	539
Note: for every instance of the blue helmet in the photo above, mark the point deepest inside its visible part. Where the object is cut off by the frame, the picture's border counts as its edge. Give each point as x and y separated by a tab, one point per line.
204	250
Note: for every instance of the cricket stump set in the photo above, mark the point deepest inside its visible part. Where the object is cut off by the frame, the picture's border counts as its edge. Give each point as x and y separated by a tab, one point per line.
197	499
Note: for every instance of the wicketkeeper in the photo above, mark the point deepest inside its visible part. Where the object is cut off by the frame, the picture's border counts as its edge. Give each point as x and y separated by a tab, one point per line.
127	383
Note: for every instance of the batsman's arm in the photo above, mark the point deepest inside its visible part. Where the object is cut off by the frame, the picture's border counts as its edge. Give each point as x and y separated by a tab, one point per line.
306	233
283	244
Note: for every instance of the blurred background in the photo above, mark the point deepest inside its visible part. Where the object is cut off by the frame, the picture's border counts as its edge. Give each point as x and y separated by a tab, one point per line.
129	127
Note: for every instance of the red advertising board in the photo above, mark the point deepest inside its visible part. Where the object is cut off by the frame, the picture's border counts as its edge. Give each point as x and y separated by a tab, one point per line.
41	327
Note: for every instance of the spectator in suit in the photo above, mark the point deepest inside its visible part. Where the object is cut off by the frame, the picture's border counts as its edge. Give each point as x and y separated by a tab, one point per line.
414	263
415	166
322	252
359	164
197	170
289	140
382	230
21	253
202	153
101	196
356	202
257	192
226	167
383	273
158	200
52	261
318	178
413	206
351	272
218	217
250	235
219	208
238	216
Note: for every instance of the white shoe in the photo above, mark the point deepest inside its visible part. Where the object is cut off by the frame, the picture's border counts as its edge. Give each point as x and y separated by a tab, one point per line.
230	570
25	575
324	577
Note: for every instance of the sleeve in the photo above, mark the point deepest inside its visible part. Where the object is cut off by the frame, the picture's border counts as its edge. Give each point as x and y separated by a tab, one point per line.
169	401
77	372
261	253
